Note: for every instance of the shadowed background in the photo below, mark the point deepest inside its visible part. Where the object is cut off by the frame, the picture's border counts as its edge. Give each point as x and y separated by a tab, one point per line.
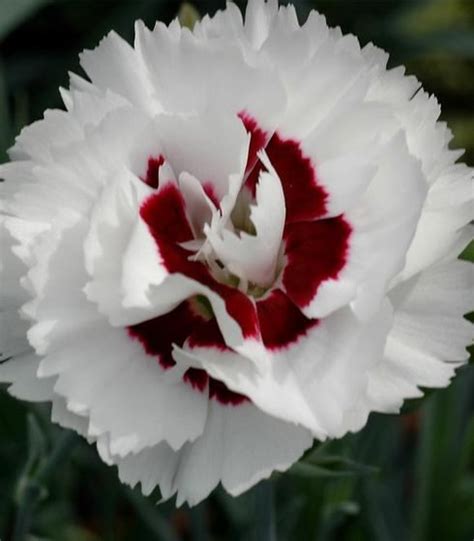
408	477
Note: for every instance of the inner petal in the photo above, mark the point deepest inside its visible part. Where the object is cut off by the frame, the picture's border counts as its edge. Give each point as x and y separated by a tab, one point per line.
253	256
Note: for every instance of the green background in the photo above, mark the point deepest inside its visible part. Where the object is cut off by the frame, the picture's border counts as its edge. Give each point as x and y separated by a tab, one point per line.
407	477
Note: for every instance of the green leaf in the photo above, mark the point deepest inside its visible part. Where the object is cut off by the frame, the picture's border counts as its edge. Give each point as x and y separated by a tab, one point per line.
15	12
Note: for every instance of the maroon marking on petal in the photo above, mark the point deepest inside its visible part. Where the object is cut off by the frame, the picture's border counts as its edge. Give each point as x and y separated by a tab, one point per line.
224	395
241	308
305	198
153	168
158	334
165	214
207	335
315	251
281	322
258	140
197	378
210	191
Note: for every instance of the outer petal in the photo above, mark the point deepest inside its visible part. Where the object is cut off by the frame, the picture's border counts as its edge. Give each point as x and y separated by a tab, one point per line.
449	207
239	446
74	344
196	75
114	65
428	339
95	373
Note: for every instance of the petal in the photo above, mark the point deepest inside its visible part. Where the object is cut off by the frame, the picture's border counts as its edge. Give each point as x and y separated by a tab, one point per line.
114	65
448	208
306	198
99	388
382	225
254	258
197	75
195	145
429	337
239	447
312	381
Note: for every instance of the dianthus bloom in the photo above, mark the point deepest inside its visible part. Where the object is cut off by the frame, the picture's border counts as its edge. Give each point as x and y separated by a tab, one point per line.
233	241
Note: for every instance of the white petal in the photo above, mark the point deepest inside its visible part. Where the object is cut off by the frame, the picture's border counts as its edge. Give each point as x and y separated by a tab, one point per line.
448	208
254	258
104	365
195	145
114	65
429	337
196	75
240	446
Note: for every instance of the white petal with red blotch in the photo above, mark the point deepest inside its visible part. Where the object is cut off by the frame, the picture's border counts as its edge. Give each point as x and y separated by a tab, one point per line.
318	370
381	226
239	447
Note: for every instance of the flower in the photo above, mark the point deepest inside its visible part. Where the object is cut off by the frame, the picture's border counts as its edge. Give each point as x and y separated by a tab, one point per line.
233	241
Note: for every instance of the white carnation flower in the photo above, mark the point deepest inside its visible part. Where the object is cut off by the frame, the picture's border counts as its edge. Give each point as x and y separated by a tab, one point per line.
234	240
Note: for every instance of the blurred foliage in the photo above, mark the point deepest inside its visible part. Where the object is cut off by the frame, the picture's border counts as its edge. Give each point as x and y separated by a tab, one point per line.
407	477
